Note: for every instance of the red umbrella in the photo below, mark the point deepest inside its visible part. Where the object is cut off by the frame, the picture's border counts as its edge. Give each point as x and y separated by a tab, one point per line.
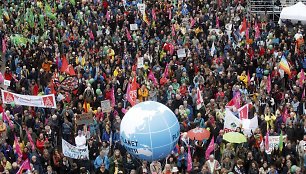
198	134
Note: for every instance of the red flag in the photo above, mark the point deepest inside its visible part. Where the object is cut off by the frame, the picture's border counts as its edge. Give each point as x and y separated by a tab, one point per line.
247	36
269	84
166	71
267	141
91	36
244	112
152	77
128	35
285	115
25	166
17	147
217	22
234	102
200	100
192	22
113	100
302	77
153	14
210	148
189	160
64	64
257	31
7	119
243	25
173	30
132	92
30	139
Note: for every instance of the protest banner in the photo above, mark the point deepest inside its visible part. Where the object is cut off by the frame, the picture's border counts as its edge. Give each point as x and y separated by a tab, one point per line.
181	53
44	101
85	118
133	27
106	106
75	152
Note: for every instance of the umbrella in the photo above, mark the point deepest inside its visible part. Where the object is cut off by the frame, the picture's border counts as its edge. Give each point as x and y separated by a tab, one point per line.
234	137
198	134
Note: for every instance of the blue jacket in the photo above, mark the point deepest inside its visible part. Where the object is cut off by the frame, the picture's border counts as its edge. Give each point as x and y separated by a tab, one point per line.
180	159
98	162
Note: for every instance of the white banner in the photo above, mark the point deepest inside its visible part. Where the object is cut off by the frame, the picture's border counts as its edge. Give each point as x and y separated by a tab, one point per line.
273	143
75	152
45	101
181	53
231	122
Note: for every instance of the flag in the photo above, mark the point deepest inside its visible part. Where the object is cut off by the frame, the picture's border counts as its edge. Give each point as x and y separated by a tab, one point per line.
257	31
173	30
269	84
302	77
303	94
91	36
153	14
200	100
243	25
31	19
107	15
170	13
128	35
267	141
285	115
17	147
280	142
231	122
152	77
192	22
176	150
72	2
7	119
48	12
234	102
4	45
283	64
249	78
132	92
145	18
113	100
210	148
244	112
24	166
86	106
66	67
30	139
217	22
213	49
189	160
247	36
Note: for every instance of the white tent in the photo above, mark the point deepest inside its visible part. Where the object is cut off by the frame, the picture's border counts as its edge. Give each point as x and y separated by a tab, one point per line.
294	13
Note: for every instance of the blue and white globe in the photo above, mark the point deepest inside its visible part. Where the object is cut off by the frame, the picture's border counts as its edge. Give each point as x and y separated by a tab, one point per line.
149	131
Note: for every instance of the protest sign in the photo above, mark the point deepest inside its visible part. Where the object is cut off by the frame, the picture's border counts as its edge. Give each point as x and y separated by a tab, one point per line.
44	101
140	63
85	118
74	152
273	143
133	27
106	106
7	83
181	53
141	8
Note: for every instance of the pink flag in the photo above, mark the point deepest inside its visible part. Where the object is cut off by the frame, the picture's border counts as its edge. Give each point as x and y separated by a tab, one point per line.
189	160
152	77
113	100
302	77
128	35
247	36
173	31
7	119
285	115
30	139
171	47
200	100
267	141
153	14
269	84
166	71
4	45
217	22
170	13
249	79
123	110
303	94
192	22
210	148
17	147
91	36
257	31
107	16
25	166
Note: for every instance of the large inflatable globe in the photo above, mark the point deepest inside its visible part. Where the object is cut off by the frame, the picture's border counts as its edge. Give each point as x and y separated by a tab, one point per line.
149	131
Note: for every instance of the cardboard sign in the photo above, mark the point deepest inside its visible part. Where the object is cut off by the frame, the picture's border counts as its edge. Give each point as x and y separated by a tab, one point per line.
141	8
181	53
133	27
86	118
106	106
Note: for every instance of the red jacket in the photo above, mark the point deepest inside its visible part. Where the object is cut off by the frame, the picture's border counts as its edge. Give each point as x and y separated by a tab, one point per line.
40	145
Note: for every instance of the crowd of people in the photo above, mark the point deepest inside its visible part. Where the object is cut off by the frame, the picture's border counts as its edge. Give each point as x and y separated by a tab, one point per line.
85	52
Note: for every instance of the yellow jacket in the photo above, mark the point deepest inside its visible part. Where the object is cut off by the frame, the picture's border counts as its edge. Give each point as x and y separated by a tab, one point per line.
143	94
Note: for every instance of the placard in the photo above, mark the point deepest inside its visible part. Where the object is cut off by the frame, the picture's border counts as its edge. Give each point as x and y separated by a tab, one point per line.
181	53
7	83
273	143
85	118
141	8
75	152
140	63
133	27
106	106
